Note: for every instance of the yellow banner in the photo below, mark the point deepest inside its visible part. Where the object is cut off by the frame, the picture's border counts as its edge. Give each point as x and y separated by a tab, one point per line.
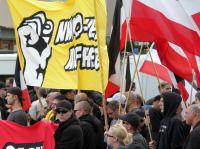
62	44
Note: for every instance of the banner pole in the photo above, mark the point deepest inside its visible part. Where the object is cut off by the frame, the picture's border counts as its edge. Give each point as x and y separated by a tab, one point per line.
193	79
146	115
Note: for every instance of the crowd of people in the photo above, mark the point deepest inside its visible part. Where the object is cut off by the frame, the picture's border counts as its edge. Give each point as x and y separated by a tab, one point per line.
158	123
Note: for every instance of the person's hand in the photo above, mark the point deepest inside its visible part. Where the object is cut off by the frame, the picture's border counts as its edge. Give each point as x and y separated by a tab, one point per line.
152	144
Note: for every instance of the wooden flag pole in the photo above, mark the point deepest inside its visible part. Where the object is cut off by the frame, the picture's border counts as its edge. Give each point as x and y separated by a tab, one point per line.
193	79
123	72
134	74
146	115
155	70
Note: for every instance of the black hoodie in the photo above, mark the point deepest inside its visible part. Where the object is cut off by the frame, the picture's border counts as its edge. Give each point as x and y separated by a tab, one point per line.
172	131
92	131
69	135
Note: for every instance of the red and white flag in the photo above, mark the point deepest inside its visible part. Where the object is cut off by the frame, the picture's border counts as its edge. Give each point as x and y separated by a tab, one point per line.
20	82
155	68
163	20
192	7
175	59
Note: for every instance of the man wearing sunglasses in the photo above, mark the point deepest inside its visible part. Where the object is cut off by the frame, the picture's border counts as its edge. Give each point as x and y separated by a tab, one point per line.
69	133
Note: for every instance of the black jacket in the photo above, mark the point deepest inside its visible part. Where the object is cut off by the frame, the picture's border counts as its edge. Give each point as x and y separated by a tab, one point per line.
172	130
139	142
3	109
69	135
192	141
155	119
96	131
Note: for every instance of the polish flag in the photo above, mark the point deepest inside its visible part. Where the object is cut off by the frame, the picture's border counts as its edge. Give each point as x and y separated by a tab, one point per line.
175	59
192	7
163	20
155	68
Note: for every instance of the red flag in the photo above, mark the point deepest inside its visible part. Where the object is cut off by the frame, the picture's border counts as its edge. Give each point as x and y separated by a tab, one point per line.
39	135
20	82
158	70
155	68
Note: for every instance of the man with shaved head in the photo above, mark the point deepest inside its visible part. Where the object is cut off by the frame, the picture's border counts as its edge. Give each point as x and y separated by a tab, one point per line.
91	126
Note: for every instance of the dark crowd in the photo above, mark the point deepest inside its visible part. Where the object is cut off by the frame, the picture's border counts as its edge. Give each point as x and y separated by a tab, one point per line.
133	123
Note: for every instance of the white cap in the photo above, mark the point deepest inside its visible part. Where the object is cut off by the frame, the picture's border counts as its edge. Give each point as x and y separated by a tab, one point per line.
118	97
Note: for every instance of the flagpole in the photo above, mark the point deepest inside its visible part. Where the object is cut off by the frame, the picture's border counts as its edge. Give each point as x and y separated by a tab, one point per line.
136	67
149	51
134	74
123	72
40	102
193	79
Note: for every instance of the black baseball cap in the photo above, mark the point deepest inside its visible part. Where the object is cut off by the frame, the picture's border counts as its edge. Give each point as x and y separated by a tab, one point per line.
132	118
64	105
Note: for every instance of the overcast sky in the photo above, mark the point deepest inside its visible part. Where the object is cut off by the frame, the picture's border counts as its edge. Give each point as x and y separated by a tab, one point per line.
6	20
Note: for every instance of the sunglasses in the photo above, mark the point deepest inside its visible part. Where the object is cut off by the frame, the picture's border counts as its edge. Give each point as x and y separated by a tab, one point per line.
61	111
109	135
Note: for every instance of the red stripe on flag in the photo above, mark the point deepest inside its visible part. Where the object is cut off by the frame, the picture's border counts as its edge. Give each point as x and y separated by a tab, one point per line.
148	24
162	72
196	18
111	89
27	100
183	91
174	61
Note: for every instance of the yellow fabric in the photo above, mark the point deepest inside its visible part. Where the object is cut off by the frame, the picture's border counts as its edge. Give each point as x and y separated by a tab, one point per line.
62	44
49	115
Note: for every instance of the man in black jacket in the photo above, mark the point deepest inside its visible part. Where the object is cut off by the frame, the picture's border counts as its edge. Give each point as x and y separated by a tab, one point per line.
172	132
192	117
69	134
91	126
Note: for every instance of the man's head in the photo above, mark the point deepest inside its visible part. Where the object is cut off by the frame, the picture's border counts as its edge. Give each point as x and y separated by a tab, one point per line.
2	90
63	110
170	103
164	87
14	96
70	94
42	92
197	98
9	82
113	109
131	121
192	115
50	98
81	97
82	108
56	100
135	101
156	102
